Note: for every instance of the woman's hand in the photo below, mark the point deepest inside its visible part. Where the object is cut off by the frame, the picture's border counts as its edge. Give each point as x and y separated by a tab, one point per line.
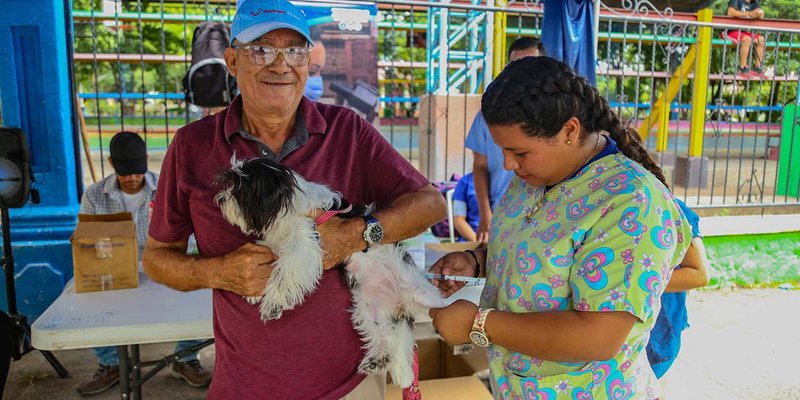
454	322
459	263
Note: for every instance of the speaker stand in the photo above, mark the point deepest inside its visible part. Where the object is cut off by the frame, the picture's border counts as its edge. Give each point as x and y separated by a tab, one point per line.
22	330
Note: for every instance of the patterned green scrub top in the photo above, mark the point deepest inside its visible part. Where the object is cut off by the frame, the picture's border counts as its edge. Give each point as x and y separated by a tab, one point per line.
604	240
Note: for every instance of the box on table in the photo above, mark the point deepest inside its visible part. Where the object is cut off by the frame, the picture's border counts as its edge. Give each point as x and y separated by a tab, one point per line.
443	375
104	252
435	251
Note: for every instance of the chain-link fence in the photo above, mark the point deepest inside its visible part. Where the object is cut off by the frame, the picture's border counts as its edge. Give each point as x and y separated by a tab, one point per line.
733	144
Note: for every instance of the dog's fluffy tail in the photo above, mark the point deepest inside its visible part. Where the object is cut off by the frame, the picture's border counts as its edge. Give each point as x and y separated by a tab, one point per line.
401	368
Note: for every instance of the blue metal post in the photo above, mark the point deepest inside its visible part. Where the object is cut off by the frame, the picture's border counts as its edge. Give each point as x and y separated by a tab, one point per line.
36	95
470	31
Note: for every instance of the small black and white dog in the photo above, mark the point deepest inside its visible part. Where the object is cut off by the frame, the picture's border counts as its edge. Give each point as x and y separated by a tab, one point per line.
268	200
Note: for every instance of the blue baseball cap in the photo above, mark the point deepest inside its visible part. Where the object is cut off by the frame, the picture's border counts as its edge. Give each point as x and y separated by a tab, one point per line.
254	18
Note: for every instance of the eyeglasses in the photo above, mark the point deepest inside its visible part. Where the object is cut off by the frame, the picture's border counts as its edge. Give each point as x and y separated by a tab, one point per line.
266	55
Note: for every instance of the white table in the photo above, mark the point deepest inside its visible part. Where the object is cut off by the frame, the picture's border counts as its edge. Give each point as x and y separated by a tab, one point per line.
127	318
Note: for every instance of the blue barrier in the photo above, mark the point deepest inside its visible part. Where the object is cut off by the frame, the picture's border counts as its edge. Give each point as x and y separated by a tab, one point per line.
35	85
132	96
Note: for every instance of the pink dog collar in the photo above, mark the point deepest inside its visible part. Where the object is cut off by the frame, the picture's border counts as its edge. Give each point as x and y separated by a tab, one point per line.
324	217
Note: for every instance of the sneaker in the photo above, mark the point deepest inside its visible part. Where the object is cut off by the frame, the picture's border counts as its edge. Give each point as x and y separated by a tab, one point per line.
743	73
103	379
192	372
758	73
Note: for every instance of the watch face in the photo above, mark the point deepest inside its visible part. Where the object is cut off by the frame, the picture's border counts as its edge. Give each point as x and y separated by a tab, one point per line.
375	233
479	338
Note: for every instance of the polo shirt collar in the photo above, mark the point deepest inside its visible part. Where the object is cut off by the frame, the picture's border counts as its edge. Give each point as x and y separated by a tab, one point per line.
314	121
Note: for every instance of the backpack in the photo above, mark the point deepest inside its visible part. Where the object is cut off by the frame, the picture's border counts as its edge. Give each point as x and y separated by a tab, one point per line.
207	83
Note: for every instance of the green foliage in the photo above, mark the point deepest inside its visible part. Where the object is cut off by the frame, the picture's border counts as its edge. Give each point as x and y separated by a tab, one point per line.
781	9
116	36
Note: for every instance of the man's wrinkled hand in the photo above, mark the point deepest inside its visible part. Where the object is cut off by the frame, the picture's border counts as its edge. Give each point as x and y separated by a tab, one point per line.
246	270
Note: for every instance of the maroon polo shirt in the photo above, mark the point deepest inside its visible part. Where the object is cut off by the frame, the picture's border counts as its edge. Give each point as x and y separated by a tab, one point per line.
312	352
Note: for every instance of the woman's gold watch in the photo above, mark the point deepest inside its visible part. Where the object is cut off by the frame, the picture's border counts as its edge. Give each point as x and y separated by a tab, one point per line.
478	334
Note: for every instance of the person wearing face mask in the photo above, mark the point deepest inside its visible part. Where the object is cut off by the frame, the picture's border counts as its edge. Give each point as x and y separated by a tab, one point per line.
315	86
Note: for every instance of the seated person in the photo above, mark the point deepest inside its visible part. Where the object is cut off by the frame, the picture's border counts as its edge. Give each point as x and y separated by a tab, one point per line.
748	9
131	188
465	209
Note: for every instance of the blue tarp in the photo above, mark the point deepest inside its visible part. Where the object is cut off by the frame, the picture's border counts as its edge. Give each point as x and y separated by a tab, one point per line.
568	35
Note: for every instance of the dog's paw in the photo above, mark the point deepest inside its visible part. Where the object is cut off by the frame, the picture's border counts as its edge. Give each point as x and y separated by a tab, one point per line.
252	300
375	365
271	313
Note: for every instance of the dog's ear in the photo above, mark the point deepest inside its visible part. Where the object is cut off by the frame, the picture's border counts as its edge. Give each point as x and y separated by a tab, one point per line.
265	193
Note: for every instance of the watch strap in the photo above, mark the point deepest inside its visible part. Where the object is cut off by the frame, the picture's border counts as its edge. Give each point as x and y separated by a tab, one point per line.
479	323
369	220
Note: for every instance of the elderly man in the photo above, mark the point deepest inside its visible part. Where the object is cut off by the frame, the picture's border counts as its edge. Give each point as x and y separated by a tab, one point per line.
312	351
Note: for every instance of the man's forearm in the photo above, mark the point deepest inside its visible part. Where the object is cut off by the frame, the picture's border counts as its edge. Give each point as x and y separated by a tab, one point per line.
411	214
171	267
732	12
407	216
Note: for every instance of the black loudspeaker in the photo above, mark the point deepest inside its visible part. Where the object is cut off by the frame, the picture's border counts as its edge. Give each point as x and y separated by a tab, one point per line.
15	168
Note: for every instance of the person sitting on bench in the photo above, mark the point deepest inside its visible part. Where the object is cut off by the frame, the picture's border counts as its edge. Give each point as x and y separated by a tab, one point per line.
749	9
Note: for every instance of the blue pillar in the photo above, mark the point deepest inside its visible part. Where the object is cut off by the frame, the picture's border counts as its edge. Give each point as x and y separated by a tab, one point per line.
35	89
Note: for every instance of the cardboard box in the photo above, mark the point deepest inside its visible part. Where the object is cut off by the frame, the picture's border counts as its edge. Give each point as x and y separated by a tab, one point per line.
443	375
462	388
435	251
104	252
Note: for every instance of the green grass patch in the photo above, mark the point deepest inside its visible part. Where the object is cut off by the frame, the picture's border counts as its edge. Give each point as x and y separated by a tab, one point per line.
754	261
136	122
155	141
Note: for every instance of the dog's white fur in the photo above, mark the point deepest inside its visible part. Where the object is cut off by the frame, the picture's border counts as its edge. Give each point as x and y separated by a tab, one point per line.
388	290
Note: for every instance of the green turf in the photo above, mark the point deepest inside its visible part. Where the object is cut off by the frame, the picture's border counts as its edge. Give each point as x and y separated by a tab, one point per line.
749	261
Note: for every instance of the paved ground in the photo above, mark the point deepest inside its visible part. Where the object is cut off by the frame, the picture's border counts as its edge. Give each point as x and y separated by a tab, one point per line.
743	344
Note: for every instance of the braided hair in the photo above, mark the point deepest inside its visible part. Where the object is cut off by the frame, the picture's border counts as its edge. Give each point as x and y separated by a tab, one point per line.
540	94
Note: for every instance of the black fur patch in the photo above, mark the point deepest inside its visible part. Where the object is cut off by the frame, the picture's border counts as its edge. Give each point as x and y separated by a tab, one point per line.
263	189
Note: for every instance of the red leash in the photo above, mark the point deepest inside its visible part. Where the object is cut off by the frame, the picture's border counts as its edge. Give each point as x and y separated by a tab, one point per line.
412	392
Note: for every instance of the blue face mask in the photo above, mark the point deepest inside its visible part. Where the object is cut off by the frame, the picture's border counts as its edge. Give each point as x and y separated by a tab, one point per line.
314	87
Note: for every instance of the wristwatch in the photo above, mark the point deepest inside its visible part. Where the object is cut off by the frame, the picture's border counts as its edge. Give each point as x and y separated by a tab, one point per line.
373	234
478	334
